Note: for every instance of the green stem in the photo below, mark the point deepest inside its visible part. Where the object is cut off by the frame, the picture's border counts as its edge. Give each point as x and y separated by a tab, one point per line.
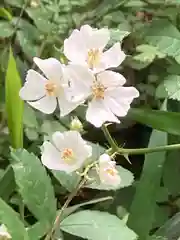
124	151
66	204
109	138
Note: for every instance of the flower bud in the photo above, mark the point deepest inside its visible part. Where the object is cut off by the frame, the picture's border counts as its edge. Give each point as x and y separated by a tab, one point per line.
76	125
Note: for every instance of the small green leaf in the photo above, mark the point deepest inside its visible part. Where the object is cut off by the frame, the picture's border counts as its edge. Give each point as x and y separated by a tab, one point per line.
96	225
160	120
29	117
6	29
34	185
172	86
14	104
144	201
10	219
126	176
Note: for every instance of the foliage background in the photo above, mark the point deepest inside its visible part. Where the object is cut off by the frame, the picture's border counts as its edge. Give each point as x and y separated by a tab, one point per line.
38	28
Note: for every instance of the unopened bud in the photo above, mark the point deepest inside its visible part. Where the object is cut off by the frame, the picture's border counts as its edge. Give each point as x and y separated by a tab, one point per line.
34	3
76	125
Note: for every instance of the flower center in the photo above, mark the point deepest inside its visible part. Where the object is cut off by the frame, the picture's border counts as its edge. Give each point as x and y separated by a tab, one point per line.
68	155
52	89
93	58
111	171
98	90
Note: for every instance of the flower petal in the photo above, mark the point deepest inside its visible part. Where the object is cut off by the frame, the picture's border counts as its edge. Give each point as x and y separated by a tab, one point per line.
51	67
51	157
118	100
34	87
97	113
111	79
112	57
95	38
58	140
81	80
74	48
66	106
46	104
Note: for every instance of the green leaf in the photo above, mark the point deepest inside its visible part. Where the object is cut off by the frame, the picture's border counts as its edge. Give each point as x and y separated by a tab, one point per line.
68	181
126	176
38	230
7	184
10	219
165	36
160	120
27	45
34	185
96	225
172	86
29	117
117	35
170	230
6	29
14	105
144	201
171	172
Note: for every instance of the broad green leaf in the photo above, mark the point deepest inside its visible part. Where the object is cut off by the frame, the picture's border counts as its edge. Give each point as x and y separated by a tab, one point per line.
165	36
160	120
6	29
172	86
142	210
14	105
16	3
96	225
34	185
68	181
10	219
38	230
127	179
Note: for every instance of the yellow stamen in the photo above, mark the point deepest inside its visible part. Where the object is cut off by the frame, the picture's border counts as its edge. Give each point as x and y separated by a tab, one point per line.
111	171
67	155
98	90
93	58
51	88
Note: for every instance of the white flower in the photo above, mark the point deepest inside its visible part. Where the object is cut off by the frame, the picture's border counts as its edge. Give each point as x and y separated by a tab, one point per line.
107	96
85	47
67	152
108	173
4	235
43	93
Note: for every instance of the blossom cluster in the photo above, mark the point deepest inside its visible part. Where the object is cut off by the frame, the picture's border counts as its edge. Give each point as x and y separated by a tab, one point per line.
86	79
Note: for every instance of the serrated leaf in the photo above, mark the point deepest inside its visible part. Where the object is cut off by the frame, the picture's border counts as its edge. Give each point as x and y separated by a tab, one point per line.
126	176
144	201
34	185
160	120
10	219
165	36
172	86
96	225
117	35
6	29
14	105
